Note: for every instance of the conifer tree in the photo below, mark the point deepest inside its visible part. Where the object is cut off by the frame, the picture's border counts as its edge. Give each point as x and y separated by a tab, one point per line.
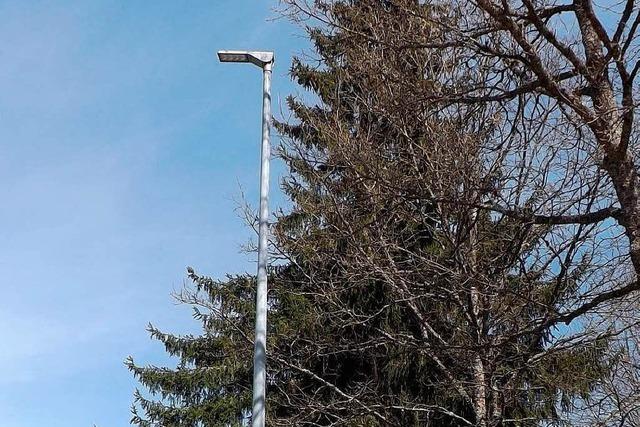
390	305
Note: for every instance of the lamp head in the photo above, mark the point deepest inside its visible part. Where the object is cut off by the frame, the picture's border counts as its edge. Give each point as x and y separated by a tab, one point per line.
254	57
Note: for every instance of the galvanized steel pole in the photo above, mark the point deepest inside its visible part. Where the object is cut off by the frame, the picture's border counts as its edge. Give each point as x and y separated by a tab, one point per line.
260	352
263	60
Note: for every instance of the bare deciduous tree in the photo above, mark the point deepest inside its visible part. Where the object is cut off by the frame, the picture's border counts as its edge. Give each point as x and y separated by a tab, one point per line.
540	100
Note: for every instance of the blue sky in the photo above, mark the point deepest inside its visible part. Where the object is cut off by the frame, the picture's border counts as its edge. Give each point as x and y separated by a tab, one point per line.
123	144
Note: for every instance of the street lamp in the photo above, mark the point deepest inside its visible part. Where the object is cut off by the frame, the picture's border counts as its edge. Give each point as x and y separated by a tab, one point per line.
265	61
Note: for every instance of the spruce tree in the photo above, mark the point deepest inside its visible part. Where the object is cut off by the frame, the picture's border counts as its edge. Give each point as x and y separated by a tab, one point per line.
391	306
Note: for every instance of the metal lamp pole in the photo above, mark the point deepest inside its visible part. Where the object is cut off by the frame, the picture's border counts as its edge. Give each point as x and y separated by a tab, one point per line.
265	61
